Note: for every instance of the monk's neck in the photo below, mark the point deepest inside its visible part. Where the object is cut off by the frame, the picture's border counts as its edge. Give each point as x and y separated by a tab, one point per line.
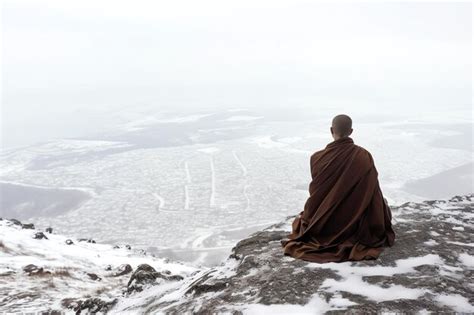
337	138
340	140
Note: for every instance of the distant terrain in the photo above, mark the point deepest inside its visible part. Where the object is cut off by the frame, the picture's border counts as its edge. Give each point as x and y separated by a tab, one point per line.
189	186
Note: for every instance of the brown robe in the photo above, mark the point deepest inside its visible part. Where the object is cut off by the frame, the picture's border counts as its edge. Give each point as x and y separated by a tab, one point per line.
346	216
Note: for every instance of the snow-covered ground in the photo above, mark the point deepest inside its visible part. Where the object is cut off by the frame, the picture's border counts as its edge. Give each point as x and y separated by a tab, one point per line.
188	187
68	270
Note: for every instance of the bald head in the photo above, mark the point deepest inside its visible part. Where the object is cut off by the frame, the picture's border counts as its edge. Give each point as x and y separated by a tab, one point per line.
341	126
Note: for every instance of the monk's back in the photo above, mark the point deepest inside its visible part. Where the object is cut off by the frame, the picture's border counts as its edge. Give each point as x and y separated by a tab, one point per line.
345	216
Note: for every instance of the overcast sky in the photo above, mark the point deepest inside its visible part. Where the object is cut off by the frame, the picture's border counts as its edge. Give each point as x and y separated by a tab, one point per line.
66	65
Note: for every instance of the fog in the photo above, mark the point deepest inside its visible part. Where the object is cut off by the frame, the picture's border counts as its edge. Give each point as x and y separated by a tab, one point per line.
69	67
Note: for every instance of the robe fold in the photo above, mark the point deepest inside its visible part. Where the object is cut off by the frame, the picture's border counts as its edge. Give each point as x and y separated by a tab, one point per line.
345	216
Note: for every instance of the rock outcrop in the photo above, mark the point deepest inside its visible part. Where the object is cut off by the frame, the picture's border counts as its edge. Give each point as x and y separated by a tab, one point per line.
430	268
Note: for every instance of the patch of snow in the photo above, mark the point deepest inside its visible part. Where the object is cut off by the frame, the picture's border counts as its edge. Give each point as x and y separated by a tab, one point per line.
242	118
352	278
466	260
431	243
209	150
317	305
457	302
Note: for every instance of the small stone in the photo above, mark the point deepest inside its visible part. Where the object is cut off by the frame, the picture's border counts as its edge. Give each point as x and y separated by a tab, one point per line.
29	226
94	277
49	230
88	240
39	236
69	242
33	270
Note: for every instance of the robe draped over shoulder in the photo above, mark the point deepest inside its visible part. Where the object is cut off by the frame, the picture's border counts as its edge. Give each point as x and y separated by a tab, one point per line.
345	216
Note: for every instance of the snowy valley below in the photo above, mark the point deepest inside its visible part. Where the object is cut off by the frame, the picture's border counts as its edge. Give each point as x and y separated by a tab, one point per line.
189	187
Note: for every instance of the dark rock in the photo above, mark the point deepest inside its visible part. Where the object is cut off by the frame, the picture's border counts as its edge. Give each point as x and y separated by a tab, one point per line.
49	230
147	275
199	289
40	236
29	226
15	222
91	305
108	268
94	277
69	242
33	270
88	240
123	270
116	247
128	247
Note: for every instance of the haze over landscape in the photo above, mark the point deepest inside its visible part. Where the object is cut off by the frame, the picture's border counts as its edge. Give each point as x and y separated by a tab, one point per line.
125	124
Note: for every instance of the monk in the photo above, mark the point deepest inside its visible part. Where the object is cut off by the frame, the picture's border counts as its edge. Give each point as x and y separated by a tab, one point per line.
346	216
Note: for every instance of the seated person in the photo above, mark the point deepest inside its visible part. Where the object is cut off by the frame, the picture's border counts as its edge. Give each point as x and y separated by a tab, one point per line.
345	216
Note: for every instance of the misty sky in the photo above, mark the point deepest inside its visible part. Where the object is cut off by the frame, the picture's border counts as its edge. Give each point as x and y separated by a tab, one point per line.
66	65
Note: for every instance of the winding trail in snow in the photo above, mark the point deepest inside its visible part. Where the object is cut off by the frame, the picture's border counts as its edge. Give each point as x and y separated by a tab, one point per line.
188	175
212	198
186	188
242	166
161	201
244	174
186	197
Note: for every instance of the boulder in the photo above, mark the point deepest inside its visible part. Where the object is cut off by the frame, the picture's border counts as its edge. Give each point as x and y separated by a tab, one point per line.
147	275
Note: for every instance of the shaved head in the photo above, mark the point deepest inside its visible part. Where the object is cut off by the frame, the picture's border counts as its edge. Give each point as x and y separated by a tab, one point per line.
342	125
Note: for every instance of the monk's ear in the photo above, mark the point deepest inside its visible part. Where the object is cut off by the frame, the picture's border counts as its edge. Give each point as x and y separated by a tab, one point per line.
350	132
332	131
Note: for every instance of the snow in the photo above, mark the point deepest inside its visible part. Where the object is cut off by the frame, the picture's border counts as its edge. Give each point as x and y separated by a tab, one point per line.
317	305
430	243
455	301
209	150
467	260
352	281
242	118
68	264
139	124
